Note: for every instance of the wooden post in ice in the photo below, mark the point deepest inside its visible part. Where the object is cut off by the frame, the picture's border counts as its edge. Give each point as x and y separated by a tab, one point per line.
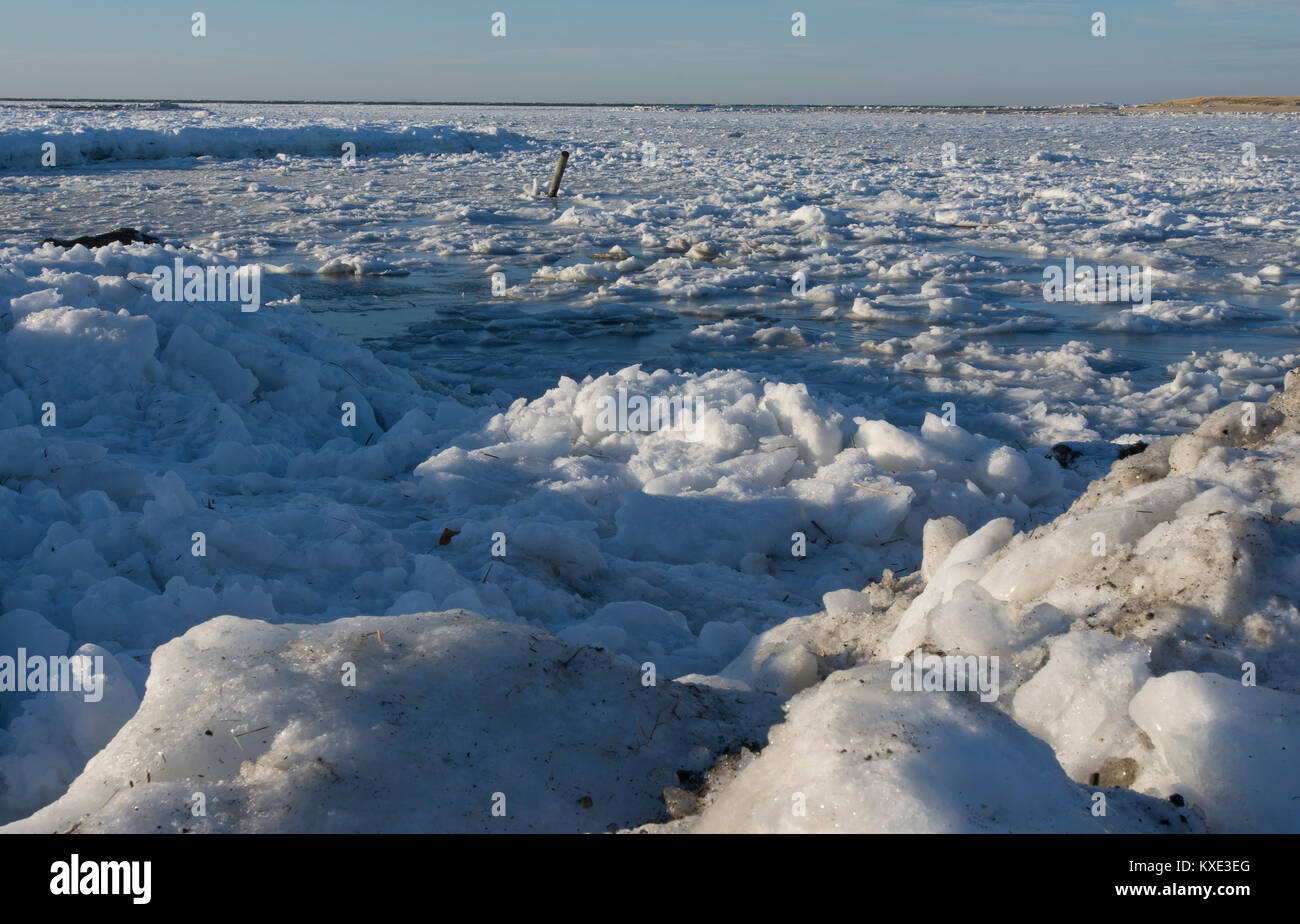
559	174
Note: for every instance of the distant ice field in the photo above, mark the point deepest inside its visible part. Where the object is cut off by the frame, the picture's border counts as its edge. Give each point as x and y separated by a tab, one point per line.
922	239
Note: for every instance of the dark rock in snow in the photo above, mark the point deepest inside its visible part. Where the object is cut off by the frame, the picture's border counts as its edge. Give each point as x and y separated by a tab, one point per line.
1117	771
1065	455
120	236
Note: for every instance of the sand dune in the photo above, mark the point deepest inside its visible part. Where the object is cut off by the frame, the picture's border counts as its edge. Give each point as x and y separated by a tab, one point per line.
1225	104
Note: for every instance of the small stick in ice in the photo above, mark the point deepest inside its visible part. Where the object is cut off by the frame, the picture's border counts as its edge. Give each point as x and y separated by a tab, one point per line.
559	174
867	487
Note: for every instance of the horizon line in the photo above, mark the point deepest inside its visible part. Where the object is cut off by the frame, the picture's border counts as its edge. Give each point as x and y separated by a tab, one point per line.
413	102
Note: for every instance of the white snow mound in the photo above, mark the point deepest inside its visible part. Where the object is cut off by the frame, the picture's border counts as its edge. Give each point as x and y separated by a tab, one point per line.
451	716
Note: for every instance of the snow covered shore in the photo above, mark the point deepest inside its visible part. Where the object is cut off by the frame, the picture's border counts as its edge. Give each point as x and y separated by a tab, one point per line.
427	586
1122	627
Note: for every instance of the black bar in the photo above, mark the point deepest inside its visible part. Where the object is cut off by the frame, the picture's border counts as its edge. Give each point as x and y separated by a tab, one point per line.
254	874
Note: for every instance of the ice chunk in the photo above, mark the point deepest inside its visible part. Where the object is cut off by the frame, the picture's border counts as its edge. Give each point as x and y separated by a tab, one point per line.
844	602
853	756
937	539
964	562
777	660
1231	748
1078	703
645	624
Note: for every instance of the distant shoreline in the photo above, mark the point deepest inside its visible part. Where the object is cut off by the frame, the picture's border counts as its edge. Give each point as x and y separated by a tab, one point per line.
1225	104
1190	105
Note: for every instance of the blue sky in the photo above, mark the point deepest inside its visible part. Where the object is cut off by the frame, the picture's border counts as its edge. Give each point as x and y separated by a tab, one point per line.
724	51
